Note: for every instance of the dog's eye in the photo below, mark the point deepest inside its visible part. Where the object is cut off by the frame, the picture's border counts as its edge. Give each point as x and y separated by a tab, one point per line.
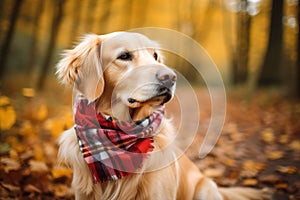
125	56
155	56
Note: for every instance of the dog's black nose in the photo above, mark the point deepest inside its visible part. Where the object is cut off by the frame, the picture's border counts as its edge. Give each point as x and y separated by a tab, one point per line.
166	77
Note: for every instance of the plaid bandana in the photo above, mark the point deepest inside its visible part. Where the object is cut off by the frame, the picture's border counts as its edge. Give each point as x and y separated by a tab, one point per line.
113	149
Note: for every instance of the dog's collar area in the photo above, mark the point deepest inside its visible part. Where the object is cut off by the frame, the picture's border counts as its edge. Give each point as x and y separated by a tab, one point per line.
111	148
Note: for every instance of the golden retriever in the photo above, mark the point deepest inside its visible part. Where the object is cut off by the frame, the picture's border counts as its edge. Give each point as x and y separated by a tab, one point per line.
124	75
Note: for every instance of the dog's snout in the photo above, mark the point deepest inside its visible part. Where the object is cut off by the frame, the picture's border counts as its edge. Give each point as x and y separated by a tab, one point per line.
166	77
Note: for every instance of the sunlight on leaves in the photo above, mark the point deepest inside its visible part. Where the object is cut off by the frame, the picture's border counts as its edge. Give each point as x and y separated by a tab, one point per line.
7	114
267	135
295	145
251	165
274	155
287	169
28	92
42	112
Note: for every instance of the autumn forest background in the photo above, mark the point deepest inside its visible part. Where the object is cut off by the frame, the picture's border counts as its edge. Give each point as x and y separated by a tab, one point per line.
254	43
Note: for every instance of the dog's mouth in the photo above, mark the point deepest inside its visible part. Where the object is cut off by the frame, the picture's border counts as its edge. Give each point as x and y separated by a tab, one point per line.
162	96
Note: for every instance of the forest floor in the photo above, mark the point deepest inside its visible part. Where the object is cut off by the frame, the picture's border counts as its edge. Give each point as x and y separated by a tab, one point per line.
259	146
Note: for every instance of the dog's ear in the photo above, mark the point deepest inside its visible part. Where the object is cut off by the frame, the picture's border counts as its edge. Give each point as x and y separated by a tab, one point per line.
82	68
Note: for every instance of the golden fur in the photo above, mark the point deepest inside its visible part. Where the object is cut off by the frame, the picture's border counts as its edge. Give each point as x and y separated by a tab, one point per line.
96	72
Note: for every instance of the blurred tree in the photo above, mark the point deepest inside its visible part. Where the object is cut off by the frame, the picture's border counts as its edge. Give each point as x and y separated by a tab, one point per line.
90	15
270	71
9	36
58	6
103	22
76	16
34	39
297	88
240	60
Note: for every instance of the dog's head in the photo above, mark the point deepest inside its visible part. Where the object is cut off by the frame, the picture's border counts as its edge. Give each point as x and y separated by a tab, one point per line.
120	70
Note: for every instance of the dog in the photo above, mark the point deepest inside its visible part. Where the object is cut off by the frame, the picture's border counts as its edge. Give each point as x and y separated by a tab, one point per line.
122	76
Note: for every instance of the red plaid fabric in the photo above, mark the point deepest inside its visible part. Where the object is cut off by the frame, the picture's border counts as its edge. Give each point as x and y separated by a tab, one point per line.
113	149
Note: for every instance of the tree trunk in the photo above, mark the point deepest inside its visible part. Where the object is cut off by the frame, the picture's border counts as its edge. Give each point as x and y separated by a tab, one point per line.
240	68
298	57
33	46
9	36
58	15
270	72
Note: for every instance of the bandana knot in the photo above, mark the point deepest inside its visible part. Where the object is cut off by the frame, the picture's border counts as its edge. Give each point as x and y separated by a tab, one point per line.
111	148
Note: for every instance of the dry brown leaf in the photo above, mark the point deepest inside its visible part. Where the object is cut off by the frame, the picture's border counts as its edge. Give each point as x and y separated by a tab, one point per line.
287	169
284	139
32	189
282	186
42	112
60	172
12	188
38	166
267	135
252	165
10	164
55	126
249	173
250	182
4	101
274	155
61	190
213	172
295	145
28	92
270	178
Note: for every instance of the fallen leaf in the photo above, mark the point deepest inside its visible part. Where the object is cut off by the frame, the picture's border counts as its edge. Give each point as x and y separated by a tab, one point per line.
295	145
61	190
249	173
282	186
4	101
60	172
42	112
213	172
250	182
38	166
7	117
287	169
267	135
270	178
275	155
28	92
251	165
10	164
32	189
283	139
55	126
12	188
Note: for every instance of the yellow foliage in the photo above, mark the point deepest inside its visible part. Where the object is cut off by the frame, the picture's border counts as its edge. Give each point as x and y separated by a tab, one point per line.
274	155
42	112
287	169
28	92
250	182
295	145
27	129
267	135
55	126
251	165
4	101
7	114
60	172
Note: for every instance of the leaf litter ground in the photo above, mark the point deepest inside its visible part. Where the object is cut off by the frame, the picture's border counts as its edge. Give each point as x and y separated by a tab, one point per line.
259	146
